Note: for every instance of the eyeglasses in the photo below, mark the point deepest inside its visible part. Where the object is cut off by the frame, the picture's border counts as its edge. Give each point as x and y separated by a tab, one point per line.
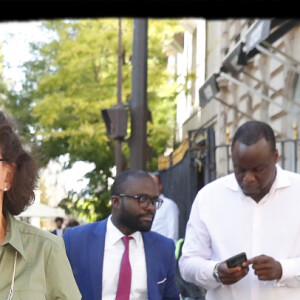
3	159
145	200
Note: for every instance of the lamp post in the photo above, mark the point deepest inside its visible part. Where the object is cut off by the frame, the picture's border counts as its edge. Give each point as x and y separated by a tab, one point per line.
115	118
138	103
118	144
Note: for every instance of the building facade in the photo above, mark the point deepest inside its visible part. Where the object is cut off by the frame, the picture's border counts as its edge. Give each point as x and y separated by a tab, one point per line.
236	70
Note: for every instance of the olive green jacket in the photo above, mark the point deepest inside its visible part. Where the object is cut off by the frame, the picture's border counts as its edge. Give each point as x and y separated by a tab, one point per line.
43	271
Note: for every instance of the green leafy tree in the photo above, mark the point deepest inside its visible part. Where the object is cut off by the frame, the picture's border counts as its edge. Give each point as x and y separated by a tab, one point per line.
3	86
73	78
44	197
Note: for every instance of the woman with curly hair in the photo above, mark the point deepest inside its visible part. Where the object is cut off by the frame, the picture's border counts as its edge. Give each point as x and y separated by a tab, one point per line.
33	262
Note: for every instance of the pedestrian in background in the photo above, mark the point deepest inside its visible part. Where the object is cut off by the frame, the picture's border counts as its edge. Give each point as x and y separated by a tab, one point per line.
256	211
72	223
33	262
166	220
59	230
120	258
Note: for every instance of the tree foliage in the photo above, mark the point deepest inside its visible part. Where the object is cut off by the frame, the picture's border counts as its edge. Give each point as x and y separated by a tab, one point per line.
68	83
3	86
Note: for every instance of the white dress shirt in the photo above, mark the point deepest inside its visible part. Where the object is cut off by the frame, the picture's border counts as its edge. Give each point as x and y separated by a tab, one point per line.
59	231
166	219
113	252
224	222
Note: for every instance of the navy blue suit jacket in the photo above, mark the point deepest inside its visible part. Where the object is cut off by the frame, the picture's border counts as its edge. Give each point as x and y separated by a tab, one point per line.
85	250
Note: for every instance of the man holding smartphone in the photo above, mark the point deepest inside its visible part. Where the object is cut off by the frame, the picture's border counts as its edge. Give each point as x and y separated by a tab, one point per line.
255	211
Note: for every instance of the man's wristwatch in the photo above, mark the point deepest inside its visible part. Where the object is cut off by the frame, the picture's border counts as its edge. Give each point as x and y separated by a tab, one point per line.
216	272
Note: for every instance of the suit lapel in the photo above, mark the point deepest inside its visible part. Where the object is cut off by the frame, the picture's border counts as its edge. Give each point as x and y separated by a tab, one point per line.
96	253
150	262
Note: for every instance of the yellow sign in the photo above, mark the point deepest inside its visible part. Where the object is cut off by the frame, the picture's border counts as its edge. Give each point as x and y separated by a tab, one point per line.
178	154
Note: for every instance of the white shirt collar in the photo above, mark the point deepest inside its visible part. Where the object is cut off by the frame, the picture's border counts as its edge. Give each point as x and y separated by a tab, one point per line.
114	234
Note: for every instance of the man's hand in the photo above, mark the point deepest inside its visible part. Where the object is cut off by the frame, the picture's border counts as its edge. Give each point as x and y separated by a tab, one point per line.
265	267
231	275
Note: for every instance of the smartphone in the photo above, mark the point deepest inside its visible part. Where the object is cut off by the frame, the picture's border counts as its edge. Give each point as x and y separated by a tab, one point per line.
237	260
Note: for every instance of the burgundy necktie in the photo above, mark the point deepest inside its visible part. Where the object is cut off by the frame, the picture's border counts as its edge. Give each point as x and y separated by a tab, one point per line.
123	290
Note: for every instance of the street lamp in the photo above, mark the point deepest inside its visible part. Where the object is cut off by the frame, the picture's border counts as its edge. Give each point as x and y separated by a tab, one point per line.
259	33
235	61
208	90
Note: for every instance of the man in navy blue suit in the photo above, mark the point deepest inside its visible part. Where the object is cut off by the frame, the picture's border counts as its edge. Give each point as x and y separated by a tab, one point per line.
99	254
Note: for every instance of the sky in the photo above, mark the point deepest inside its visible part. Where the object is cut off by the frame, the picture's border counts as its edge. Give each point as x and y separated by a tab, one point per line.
15	38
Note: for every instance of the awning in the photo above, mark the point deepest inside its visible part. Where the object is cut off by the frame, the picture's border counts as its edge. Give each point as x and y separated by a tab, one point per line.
43	211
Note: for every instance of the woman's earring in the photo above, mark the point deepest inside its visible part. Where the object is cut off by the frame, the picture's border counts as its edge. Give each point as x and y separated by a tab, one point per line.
5	189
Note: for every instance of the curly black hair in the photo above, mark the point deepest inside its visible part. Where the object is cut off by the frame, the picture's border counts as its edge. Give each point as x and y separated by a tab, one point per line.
21	194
